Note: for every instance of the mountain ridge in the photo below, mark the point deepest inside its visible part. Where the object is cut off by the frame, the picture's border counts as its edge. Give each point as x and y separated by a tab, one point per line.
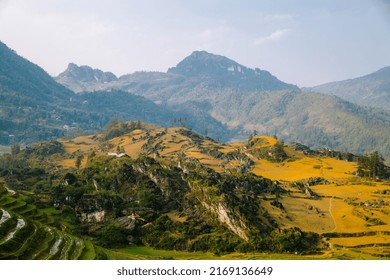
78	76
202	83
216	70
368	90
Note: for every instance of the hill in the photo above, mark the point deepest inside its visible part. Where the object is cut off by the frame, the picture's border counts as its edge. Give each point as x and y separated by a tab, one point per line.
172	189
370	90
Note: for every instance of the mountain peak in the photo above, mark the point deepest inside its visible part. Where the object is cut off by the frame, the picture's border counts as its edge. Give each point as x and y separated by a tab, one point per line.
221	71
87	73
203	63
80	78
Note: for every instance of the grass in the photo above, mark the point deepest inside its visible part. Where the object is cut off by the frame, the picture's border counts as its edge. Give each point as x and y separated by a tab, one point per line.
147	253
88	251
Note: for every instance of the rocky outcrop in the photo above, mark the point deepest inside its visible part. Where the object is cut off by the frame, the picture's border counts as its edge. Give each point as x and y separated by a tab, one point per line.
94	217
228	218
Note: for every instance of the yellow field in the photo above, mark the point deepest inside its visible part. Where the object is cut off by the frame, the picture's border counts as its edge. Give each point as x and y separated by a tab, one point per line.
309	215
306	167
358	241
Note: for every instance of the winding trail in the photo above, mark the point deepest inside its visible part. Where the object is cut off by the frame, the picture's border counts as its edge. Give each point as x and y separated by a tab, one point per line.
330	212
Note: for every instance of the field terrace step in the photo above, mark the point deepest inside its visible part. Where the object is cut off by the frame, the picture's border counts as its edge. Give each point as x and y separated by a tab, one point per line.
25	245
5	199
77	250
9	202
19	225
16	238
5	215
45	244
28	211
88	251
18	206
57	246
67	248
7	226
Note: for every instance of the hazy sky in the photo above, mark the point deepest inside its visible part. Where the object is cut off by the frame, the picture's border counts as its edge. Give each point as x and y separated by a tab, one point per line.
304	42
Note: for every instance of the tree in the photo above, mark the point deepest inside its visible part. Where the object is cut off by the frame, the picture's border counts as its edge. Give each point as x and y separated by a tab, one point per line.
15	149
372	166
79	159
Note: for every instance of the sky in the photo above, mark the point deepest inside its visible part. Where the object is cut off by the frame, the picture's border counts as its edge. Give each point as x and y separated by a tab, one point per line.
303	42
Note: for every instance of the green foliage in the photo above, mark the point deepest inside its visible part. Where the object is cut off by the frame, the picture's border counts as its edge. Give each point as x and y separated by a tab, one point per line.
79	159
293	240
116	128
372	166
274	153
112	236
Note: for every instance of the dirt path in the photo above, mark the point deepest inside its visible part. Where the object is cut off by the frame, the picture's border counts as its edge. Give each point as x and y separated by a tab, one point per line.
330	212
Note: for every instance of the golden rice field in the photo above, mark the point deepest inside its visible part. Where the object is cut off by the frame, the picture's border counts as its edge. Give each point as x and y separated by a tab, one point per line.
306	167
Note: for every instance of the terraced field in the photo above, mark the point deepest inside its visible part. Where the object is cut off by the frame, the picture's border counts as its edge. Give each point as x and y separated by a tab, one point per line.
25	233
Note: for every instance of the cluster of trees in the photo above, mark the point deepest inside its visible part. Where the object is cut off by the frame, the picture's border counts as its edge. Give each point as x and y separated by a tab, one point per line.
373	166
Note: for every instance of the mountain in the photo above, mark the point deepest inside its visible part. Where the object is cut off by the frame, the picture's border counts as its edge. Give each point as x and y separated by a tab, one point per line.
370	90
244	100
213	70
313	119
18	75
35	107
84	78
223	72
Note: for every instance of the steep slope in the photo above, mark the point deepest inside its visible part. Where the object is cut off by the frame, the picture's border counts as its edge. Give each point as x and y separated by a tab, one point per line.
370	90
19	76
33	106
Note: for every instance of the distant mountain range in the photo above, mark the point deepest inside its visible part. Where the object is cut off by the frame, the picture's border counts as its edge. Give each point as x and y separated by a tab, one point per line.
208	93
35	107
247	100
370	90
